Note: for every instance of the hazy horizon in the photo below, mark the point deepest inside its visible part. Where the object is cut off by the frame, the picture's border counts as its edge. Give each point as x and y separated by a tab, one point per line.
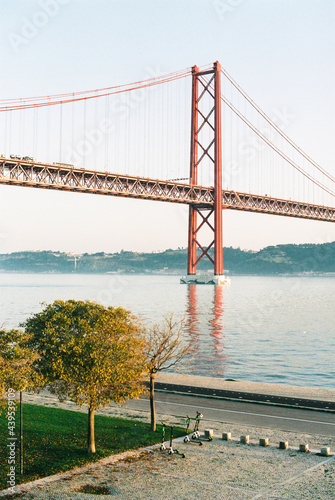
157	251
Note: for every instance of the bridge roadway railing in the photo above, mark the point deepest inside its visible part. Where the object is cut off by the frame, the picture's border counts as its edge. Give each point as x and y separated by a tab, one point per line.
28	173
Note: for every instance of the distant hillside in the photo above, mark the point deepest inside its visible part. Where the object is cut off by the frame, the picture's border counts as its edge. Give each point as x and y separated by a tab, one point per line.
280	259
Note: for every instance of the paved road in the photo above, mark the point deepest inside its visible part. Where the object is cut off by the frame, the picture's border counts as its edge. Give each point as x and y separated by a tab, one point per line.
288	419
248	396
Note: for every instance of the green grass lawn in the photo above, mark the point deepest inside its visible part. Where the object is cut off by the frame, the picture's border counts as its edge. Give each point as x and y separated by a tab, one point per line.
55	440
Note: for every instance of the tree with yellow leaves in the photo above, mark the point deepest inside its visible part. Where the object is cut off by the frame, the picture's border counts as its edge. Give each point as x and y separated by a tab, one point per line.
89	354
16	373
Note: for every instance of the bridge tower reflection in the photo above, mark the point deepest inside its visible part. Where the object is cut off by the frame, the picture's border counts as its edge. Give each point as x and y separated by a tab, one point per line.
198	328
216	323
192	321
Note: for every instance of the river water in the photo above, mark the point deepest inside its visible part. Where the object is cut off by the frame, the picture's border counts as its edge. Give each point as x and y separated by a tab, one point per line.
261	329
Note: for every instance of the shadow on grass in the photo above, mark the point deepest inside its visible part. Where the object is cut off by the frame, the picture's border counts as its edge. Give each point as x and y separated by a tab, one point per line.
55	441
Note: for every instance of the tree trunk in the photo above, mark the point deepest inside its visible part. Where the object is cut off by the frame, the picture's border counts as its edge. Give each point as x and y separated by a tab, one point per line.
152	401
90	436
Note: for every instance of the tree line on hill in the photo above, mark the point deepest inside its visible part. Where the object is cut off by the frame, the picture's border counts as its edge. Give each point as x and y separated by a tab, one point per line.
272	260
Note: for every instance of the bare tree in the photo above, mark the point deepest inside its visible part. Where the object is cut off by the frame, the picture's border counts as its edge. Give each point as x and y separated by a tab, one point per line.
165	349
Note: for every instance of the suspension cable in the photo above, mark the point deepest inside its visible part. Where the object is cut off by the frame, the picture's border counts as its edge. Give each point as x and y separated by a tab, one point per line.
272	123
50	100
275	148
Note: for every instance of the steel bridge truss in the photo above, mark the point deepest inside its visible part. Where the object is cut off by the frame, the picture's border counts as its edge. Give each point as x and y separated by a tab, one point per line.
66	178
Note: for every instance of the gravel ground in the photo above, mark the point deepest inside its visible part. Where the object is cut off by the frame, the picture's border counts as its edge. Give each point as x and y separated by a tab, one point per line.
217	470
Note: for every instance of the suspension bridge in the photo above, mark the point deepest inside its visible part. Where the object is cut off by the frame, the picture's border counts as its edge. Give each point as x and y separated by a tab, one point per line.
191	137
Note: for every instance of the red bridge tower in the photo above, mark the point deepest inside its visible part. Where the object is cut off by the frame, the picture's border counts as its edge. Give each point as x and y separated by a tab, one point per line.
206	153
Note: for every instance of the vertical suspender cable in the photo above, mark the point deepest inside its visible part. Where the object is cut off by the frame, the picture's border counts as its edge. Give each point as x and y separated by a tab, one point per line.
231	140
35	133
106	132
243	160
60	131
178	116
20	148
72	126
127	134
48	134
6	134
97	132
10	131
83	149
148	170
168	115
163	125
119	116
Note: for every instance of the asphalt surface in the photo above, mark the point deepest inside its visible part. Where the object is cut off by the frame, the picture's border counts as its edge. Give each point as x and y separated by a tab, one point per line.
240	413
247	396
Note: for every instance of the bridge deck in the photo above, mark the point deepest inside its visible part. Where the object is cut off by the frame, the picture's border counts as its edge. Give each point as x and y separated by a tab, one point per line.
17	172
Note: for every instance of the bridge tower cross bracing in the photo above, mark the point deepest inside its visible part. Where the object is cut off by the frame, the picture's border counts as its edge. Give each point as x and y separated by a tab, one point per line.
201	89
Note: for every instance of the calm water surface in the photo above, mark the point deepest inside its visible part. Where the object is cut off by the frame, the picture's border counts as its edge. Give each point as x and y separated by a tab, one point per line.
262	329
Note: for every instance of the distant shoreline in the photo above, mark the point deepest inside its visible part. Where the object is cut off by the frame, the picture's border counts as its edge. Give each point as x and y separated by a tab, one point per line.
176	273
280	260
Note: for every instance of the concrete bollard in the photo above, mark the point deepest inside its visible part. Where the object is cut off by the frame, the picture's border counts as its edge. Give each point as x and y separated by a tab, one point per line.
264	442
304	448
245	439
226	436
209	433
325	452
283	445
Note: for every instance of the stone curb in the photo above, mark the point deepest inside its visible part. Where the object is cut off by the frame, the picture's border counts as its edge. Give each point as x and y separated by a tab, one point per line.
282	445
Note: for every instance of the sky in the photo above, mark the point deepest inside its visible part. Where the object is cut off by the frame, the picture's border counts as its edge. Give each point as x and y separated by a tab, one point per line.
281	52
